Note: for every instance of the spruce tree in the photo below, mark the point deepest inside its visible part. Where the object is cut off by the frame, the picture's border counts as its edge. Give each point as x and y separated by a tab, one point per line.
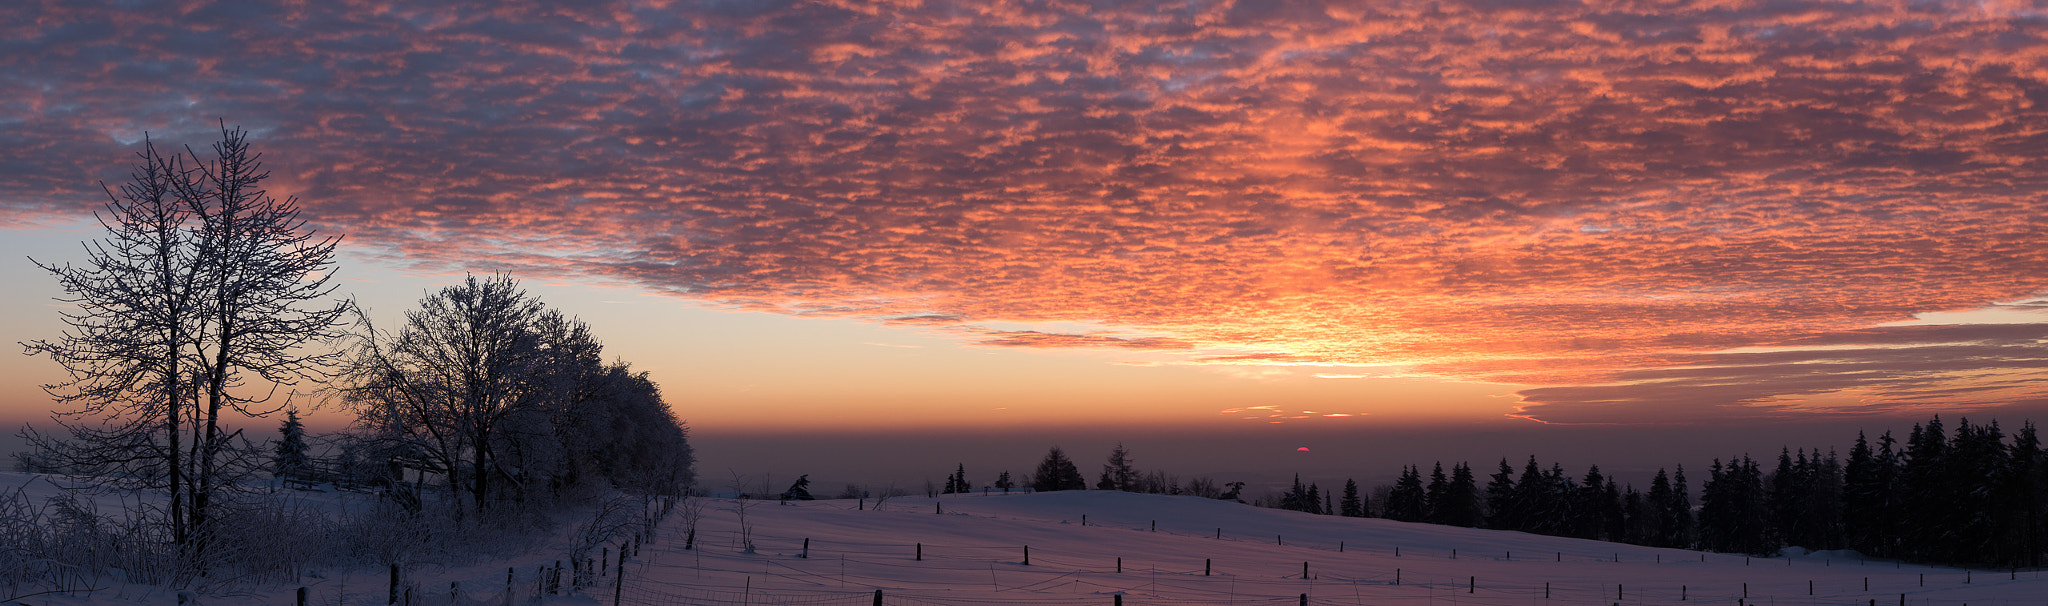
2024	497
1003	482
1531	498
1436	497
1351	506
1405	501
1656	512
1117	471
1784	498
289	460
799	490
1462	498
1500	499
1862	499
1057	472
1589	506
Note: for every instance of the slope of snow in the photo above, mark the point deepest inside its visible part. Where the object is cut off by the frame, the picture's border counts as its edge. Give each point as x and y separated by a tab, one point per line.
974	552
974	547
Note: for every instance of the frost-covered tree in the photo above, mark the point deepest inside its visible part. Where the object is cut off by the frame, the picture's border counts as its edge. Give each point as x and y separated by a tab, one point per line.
503	398
207	301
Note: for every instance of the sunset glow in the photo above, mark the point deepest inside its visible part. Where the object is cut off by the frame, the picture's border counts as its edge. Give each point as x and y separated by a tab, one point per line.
1183	212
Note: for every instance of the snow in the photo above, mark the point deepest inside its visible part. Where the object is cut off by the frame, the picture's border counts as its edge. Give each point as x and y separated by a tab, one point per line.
973	552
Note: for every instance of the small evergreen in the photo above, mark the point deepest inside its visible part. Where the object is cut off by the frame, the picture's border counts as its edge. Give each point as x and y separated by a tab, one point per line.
289	460
800	490
1351	506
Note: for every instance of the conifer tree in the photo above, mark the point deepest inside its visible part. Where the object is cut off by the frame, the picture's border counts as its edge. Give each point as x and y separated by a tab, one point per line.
1589	506
800	490
1118	473
1862	499
1057	472
1351	506
288	460
1461	501
1405	501
1436	496
1681	531
2025	497
1501	513
1296	497
1003	482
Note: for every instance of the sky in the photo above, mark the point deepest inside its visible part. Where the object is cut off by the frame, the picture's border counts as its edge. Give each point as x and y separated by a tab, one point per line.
1168	223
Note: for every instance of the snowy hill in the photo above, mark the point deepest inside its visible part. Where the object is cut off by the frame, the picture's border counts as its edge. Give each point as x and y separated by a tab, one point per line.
974	553
972	549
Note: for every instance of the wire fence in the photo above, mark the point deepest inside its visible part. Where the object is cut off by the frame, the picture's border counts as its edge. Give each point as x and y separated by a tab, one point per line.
806	572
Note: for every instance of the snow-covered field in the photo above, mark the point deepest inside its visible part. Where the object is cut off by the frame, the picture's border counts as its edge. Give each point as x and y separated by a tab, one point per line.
973	551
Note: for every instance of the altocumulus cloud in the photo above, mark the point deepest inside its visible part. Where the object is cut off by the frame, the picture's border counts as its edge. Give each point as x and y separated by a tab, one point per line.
1576	196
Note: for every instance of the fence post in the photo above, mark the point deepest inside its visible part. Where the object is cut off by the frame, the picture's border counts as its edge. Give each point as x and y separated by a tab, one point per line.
1681	593
1546	590
394	584
1304	599
604	561
1027	555
920	552
508	586
1397	576
1205	566
878	597
1304	570
302	596
619	581
1119	565
1119	600
1155	528
1472	584
807	549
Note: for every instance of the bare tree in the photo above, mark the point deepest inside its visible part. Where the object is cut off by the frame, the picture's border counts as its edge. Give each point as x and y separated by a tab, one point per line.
261	268
445	384
204	297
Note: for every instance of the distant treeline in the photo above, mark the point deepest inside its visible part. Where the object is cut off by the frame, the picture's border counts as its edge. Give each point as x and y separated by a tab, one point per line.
1972	496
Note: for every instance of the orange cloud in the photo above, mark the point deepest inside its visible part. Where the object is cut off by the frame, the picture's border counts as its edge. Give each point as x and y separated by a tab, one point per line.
1559	194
